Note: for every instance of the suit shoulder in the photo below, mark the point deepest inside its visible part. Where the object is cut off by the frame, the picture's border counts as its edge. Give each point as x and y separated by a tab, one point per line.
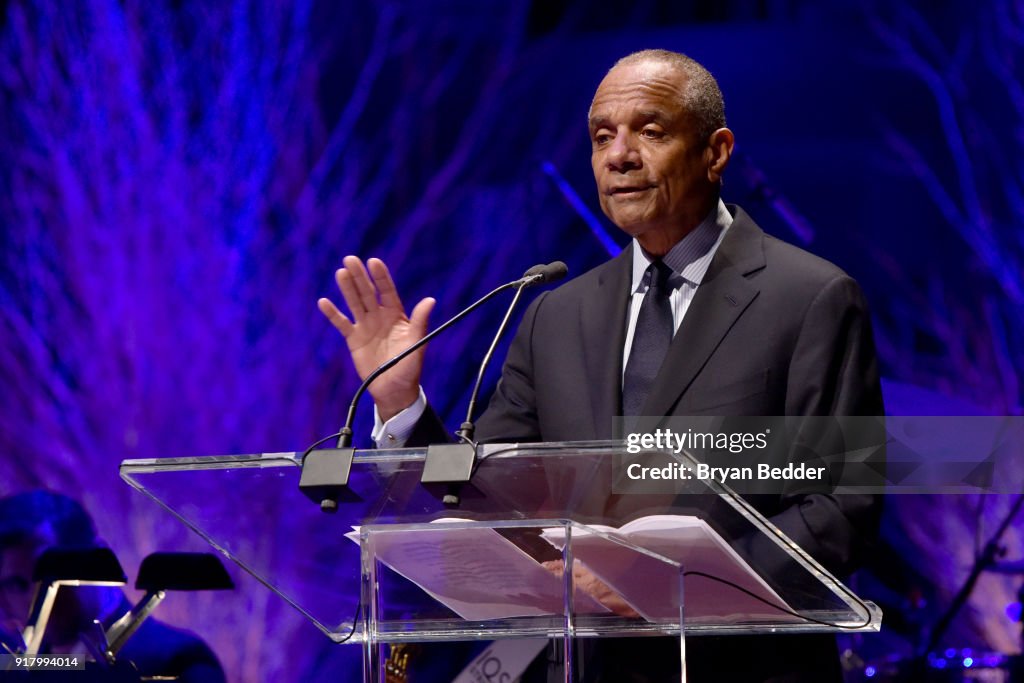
751	248
798	265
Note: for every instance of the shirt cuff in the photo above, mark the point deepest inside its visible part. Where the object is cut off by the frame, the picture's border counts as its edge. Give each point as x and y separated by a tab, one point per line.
395	432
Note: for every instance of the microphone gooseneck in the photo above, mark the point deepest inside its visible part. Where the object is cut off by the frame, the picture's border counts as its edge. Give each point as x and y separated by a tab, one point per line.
345	434
539	274
535	275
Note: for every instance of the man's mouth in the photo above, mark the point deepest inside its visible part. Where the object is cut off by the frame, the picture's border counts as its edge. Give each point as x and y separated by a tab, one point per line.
629	190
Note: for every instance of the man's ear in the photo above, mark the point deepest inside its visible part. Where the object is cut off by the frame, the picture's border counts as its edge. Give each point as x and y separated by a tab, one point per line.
718	152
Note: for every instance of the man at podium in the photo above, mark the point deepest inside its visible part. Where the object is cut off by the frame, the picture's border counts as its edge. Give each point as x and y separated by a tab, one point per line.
702	314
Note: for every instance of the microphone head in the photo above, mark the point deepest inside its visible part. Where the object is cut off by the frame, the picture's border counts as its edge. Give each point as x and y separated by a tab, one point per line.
555	271
546	272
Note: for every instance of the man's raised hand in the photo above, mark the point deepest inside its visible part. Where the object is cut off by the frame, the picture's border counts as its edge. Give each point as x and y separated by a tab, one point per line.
379	330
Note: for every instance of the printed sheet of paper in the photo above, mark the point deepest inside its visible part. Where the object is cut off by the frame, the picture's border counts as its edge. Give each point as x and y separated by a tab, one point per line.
475	572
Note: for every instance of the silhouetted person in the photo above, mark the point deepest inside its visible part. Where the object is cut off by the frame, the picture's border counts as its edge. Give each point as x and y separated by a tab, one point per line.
33	522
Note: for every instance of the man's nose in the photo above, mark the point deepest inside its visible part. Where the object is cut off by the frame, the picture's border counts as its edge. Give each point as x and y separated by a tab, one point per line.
623	154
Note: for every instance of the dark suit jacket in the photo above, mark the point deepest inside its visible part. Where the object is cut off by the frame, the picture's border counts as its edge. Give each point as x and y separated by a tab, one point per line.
772	330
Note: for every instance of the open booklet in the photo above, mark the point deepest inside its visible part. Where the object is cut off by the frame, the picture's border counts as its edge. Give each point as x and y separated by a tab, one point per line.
479	574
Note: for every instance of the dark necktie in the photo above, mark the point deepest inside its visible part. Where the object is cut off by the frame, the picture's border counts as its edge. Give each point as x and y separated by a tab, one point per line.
651	338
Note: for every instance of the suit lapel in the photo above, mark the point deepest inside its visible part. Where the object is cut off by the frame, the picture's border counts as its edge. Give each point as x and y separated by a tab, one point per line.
721	299
603	328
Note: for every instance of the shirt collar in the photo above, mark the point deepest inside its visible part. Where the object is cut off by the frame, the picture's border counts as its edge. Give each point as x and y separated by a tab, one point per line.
691	256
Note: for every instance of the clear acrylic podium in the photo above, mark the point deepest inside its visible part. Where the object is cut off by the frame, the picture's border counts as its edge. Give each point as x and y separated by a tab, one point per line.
394	565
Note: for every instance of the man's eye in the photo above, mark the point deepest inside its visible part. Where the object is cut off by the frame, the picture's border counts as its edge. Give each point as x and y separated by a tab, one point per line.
602	138
651	133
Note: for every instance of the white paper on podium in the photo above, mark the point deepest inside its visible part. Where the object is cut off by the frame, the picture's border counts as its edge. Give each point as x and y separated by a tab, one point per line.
475	572
650	586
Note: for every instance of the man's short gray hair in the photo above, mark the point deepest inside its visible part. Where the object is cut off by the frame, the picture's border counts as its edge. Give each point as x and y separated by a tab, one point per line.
702	97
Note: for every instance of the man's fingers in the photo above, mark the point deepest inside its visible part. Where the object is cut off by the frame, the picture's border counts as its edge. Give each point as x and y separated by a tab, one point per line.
349	292
421	315
360	280
385	285
336	317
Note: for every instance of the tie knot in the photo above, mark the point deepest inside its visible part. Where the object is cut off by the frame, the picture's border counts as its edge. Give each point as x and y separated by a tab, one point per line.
657	276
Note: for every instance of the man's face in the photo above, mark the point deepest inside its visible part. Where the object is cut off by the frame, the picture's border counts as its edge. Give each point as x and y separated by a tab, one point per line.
651	169
16	588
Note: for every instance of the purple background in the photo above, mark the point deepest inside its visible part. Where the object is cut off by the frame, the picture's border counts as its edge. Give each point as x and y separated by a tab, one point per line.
178	182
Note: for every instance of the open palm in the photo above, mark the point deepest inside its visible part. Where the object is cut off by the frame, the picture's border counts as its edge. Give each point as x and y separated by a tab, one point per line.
379	330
